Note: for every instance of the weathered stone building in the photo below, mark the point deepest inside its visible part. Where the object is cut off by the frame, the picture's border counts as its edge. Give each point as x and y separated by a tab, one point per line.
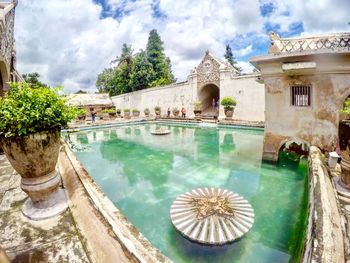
306	83
212	79
8	70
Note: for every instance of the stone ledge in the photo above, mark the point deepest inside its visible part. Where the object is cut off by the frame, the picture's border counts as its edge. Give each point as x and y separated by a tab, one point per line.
324	241
115	239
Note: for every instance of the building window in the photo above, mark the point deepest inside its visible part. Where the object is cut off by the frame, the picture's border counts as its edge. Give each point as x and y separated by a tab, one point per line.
300	95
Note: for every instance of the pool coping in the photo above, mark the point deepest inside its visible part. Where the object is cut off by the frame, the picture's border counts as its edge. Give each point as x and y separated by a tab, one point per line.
132	241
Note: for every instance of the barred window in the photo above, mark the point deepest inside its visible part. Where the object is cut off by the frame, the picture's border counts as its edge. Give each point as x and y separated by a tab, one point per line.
300	95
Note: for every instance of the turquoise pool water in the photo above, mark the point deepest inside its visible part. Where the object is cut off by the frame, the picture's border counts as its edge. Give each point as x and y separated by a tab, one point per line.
143	173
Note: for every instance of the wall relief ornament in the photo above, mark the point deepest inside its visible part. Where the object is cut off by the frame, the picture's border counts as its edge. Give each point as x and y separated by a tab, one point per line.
208	70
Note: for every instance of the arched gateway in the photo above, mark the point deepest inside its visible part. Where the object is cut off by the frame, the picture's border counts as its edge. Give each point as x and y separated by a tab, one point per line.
209	75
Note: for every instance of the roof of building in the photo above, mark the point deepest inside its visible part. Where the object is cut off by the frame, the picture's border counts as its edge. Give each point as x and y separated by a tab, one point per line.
102	99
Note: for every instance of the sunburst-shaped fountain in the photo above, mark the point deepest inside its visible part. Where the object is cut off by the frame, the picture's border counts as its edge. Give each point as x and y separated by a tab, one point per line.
212	216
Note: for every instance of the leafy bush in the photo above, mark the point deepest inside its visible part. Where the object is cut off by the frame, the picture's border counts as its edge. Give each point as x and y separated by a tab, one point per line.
109	111
157	108
198	105
81	111
346	108
126	110
26	110
135	110
228	103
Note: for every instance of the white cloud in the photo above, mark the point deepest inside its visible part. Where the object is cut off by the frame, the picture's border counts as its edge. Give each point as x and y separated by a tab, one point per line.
69	43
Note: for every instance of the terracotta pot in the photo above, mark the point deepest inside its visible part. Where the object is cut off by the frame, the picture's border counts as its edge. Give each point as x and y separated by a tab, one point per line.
135	113
34	157
345	168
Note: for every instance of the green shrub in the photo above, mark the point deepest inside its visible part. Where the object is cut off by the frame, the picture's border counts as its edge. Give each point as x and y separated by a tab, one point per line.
135	110
109	111
228	103
126	110
346	108
26	110
81	111
198	105
157	108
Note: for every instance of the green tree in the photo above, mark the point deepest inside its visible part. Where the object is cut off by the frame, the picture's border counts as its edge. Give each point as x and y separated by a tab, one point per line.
160	63
33	79
142	72
105	82
231	59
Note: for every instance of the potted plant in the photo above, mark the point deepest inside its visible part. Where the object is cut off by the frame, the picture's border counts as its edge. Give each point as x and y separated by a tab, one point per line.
147	112
229	106
176	112
197	108
127	113
31	119
81	113
157	110
135	112
119	111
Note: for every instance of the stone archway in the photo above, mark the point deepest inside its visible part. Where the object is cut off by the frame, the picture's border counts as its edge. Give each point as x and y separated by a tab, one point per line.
206	95
294	148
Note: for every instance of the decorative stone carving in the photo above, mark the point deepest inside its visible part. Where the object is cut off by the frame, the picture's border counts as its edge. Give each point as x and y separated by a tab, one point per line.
7	37
208	70
212	216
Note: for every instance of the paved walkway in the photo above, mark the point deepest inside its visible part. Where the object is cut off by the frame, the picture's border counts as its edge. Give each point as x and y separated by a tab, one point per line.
52	240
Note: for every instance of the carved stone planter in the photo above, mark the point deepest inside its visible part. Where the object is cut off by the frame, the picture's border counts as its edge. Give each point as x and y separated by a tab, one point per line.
345	169
127	115
34	157
229	113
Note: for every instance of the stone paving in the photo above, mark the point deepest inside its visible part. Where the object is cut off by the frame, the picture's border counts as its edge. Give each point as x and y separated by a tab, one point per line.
51	240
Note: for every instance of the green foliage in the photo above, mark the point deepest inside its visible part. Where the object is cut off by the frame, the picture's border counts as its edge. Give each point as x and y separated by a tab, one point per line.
198	105
109	111
231	59
157	108
33	79
346	108
135	72
119	111
81	111
142	72
26	110
126	110
160	63
135	110
228	103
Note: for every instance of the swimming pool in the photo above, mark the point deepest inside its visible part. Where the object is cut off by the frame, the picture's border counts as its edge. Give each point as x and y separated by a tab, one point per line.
142	174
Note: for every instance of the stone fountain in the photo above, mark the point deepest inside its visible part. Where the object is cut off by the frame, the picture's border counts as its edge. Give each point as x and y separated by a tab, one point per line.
212	216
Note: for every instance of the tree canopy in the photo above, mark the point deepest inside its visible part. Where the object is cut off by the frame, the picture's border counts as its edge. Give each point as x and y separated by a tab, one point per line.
33	79
145	69
231	59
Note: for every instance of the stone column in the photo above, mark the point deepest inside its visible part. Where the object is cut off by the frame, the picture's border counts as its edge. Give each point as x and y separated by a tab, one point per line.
345	168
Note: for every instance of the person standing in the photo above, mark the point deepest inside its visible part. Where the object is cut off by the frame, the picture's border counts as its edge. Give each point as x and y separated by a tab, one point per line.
168	112
93	116
183	112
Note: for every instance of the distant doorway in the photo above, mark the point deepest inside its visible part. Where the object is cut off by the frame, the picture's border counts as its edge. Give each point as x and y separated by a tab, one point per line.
209	95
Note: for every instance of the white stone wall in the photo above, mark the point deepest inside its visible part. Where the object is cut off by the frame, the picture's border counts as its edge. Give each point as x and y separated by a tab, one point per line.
250	96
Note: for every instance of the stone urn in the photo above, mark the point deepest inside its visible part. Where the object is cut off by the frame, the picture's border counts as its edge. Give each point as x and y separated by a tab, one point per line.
146	113
135	113
127	115
34	157
229	113
157	113
345	168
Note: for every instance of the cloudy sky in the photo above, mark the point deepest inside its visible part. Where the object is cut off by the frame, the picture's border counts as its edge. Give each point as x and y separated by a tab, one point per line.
68	42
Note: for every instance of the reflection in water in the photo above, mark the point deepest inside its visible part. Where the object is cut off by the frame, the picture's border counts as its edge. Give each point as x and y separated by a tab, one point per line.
142	174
